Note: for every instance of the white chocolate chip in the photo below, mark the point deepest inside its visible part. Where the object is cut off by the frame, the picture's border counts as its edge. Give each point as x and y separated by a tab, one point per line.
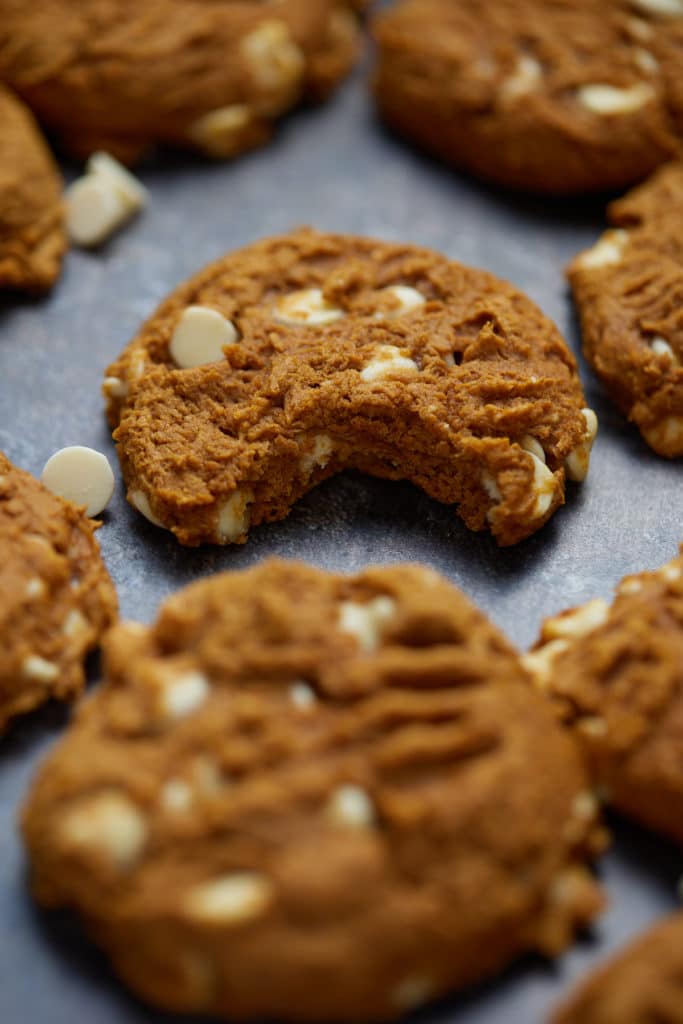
666	434
234	517
220	133
35	587
671	572
138	364
200	336
544	487
526	76
662	348
408	299
389	361
131	191
631	585
273	58
81	475
306	308
645	61
639	29
231	900
540	663
367	621
606	100
181	695
302	696
176	795
74	623
577	623
577	462
605	253
114	387
585	806
101	201
319	455
593	727
665	8
490	485
351	807
141	502
108	824
40	669
531	445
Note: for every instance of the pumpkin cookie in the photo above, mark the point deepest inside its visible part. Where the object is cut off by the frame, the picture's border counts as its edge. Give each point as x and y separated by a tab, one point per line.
310	780
554	96
629	292
617	676
642	985
119	76
303	355
56	598
32	237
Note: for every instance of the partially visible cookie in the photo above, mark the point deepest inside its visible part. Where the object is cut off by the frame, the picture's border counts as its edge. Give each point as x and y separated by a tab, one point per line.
641	985
556	96
32	236
617	676
56	598
303	355
119	76
629	292
302	796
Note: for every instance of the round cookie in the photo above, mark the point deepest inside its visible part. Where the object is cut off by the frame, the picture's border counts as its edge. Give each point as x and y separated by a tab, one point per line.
629	293
343	785
306	354
617	675
56	598
553	96
119	76
641	985
32	237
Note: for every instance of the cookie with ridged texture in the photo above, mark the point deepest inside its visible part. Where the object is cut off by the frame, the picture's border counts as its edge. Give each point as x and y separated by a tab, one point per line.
551	96
629	293
56	598
312	779
119	76
616	673
306	354
641	985
32	236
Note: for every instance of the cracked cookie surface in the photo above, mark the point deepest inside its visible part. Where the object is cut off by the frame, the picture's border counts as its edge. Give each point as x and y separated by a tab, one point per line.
117	76
556	96
616	673
629	293
32	236
303	355
56	598
311	779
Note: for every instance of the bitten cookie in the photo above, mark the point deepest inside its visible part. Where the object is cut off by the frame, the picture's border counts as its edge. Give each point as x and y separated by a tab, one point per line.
311	797
641	985
557	96
32	237
629	293
617	675
303	355
56	598
119	76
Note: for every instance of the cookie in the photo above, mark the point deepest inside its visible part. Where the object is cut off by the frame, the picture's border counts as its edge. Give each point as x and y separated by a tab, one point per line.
641	985
303	355
32	236
551	96
616	673
118	76
56	598
629	293
343	785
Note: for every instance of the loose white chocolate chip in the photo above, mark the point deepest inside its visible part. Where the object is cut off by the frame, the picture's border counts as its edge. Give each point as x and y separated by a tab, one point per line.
577	462
661	347
231	900
605	253
544	486
35	588
577	623
606	100
141	502
273	58
319	455
531	445
389	361
667	433
408	299
131	191
645	61
81	475
665	8
367	621
523	80
74	623
220	132
176	796
307	308
412	993
540	663
351	807
302	696
114	387
200	336
108	824
39	669
233	516
101	201
181	695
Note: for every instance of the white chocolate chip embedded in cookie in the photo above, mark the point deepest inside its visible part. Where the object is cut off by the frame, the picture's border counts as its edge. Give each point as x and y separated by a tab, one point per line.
577	462
663	8
231	900
200	336
607	252
307	307
607	100
407	299
233	516
367	622
527	75
108	824
81	475
222	132
275	63
350	806
389	361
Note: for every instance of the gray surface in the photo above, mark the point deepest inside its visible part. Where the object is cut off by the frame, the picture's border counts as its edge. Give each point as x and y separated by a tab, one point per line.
335	168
